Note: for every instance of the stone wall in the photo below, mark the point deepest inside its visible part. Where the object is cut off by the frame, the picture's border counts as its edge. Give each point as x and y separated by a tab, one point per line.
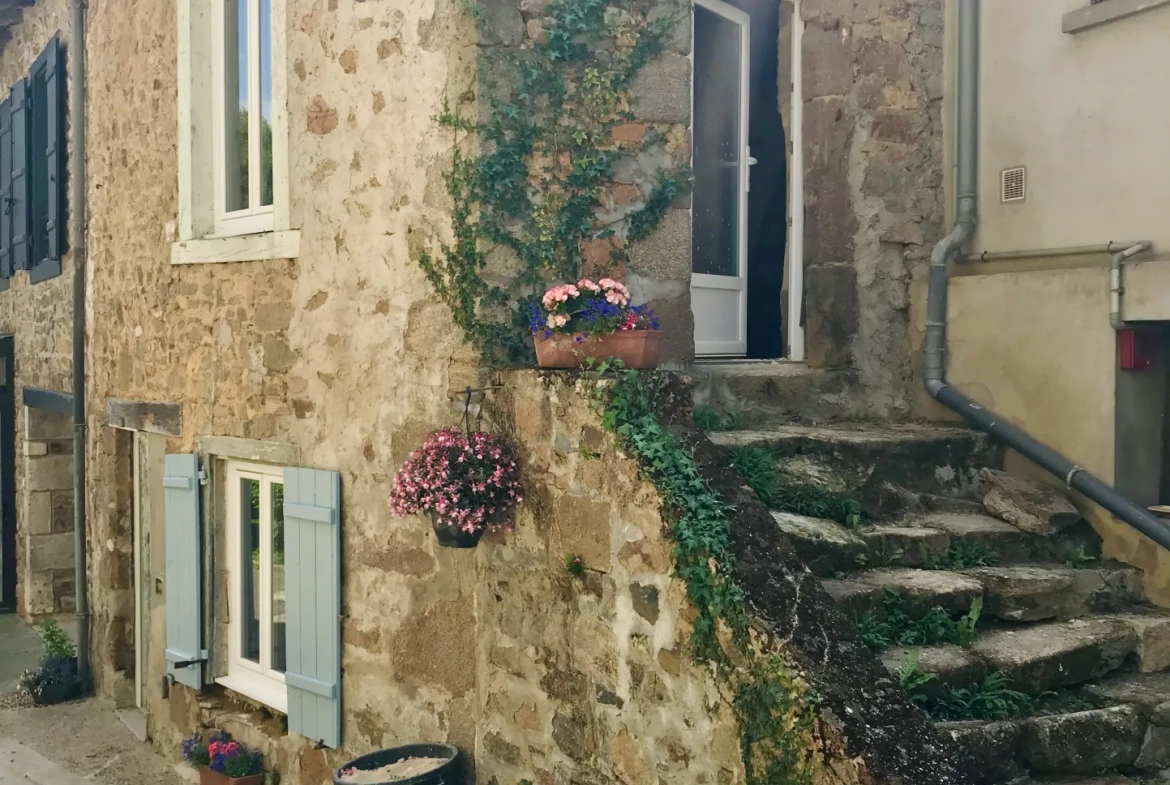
40	317
655	141
874	202
47	513
588	679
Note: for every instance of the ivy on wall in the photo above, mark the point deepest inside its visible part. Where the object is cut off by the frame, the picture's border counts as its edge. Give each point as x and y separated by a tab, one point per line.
773	707
539	187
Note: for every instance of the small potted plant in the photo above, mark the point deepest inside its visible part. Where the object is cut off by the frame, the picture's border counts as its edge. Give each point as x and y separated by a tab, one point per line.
575	323
222	761
55	679
468	482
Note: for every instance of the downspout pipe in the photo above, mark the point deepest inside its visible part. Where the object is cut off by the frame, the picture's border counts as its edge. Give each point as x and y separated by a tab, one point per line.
1074	477
1116	287
77	102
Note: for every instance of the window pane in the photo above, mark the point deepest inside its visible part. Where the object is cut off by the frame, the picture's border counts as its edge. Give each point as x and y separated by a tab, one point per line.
715	240
279	647
235	49
250	572
266	102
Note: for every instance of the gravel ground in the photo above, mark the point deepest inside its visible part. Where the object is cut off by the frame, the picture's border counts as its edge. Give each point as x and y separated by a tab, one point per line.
88	739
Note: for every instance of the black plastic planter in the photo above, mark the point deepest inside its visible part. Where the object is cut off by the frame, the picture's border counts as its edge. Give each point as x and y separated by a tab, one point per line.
453	536
48	694
449	773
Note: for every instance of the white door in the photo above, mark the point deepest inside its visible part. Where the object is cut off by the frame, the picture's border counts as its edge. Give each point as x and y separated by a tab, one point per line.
721	161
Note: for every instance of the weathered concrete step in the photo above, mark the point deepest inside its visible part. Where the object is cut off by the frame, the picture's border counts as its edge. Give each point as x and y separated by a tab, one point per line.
1009	544
1016	593
771	391
1037	593
921	458
1057	745
1046	656
1146	693
828	547
1061	654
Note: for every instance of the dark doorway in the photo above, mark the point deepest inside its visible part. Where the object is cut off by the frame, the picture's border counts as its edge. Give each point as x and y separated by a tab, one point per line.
768	197
7	476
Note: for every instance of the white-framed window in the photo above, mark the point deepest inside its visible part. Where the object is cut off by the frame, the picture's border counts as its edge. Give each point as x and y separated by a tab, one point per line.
242	104
233	132
255	567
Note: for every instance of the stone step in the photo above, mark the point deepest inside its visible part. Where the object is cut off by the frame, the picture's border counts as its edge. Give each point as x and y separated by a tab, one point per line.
1021	593
828	547
1062	654
919	458
770	391
1055	745
1009	544
1045	656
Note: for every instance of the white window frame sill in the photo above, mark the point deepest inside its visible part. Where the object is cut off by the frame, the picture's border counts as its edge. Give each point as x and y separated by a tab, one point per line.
1090	16
257	687
241	248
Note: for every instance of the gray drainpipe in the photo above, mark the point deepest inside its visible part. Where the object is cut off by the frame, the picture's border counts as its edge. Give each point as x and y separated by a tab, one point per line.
1116	287
77	94
1075	477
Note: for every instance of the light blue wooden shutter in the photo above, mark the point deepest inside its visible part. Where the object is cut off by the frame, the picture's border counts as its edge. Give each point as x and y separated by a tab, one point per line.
5	192
186	656
21	182
49	71
312	543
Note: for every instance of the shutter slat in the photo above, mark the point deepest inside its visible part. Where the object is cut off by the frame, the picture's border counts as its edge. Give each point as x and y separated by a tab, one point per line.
312	516
184	580
21	193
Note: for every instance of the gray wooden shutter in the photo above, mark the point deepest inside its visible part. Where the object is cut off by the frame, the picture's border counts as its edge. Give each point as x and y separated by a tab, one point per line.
21	193
50	70
5	192
186	656
312	542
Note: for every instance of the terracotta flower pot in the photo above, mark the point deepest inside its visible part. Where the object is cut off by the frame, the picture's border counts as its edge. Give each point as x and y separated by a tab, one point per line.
636	348
209	777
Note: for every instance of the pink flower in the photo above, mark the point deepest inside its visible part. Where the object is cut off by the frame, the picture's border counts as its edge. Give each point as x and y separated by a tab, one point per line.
557	320
585	283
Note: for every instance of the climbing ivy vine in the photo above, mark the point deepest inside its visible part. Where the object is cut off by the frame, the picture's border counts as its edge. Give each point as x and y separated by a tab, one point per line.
773	707
539	185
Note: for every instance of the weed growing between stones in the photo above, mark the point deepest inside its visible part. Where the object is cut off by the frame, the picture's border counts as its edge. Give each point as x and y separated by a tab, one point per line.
773	707
757	466
708	418
991	699
965	554
541	187
574	565
1080	557
900	625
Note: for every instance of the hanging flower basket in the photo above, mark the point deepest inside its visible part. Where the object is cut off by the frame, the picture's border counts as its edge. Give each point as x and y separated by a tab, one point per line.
468	482
576	323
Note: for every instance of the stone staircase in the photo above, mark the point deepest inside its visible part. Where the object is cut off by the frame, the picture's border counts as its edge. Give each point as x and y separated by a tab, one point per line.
1061	634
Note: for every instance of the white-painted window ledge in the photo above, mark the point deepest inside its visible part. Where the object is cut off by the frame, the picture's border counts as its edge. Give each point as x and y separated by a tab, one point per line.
1090	16
243	248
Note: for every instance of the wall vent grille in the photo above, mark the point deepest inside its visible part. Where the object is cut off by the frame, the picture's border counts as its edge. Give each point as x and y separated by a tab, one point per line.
1013	185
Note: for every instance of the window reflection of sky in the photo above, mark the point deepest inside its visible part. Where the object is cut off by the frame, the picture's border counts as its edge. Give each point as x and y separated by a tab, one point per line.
265	57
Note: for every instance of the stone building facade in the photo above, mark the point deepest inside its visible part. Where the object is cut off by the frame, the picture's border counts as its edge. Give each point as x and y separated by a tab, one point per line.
340	359
38	313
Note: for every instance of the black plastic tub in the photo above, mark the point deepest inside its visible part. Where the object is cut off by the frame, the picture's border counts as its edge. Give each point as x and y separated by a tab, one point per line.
449	773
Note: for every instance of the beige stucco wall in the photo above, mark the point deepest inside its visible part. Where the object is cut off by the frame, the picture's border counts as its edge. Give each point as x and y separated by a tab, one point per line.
1031	338
1078	111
